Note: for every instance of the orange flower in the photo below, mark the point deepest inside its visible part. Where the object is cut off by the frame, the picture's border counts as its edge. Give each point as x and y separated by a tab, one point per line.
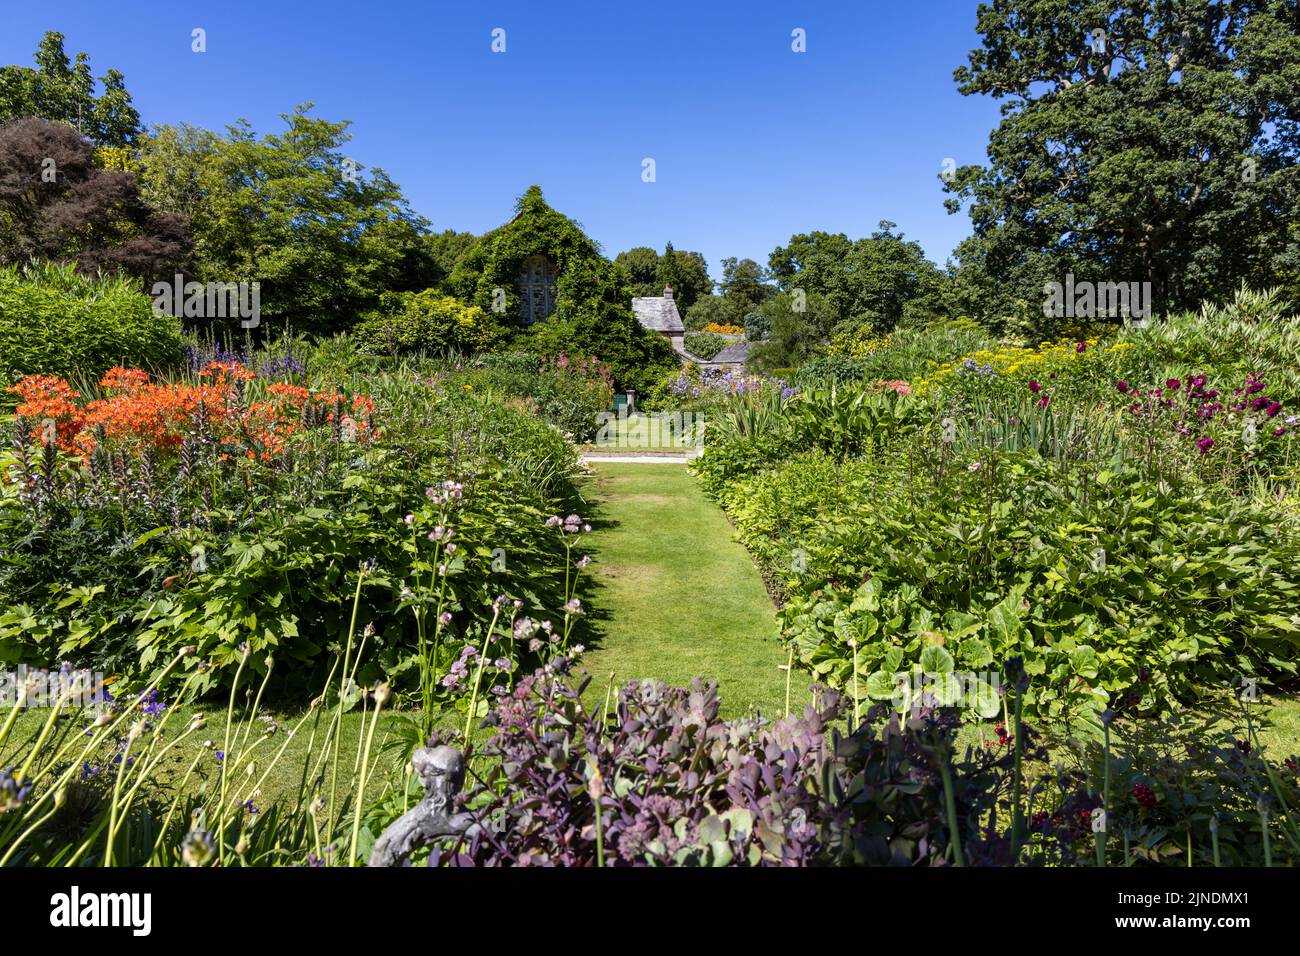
223	373
125	379
49	402
295	394
139	413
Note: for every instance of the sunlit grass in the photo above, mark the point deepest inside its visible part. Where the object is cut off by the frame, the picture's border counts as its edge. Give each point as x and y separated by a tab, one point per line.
676	596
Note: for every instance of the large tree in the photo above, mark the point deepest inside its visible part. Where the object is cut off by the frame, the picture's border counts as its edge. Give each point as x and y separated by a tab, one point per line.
878	281
62	90
323	236
1141	140
648	272
744	287
57	202
446	249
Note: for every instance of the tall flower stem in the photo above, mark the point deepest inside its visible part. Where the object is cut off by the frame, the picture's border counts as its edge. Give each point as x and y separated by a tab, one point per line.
950	805
478	673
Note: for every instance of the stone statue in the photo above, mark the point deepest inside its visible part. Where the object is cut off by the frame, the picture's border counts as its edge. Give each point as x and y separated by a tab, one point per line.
442	772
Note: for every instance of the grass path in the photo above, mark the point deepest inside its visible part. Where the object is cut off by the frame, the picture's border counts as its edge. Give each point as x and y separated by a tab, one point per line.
674	596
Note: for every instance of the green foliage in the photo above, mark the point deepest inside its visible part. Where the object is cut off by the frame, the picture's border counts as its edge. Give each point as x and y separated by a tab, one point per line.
1026	510
705	344
850	421
827	369
1251	334
709	310
879	282
569	393
63	91
425	322
56	322
592	313
744	287
219	553
757	326
1113	591
446	249
647	272
912	353
799	327
323	237
1176	114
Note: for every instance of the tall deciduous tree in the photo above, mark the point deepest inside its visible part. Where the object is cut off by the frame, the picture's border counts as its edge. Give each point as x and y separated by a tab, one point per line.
641	268
58	203
877	281
744	286
648	272
62	90
323	236
1141	140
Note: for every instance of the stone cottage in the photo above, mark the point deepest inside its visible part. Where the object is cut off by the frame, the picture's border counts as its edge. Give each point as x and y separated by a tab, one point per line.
658	313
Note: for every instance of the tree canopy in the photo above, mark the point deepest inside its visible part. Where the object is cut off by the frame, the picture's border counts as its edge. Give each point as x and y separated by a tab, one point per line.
62	90
648	272
58	203
323	236
1151	140
879	281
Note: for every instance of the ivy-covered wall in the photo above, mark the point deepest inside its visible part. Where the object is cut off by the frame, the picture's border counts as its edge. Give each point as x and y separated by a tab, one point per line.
593	307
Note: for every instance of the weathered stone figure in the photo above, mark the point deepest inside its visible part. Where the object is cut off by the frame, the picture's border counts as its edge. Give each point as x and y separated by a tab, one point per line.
442	772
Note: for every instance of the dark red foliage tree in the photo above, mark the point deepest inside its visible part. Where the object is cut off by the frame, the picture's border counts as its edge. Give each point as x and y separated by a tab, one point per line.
57	203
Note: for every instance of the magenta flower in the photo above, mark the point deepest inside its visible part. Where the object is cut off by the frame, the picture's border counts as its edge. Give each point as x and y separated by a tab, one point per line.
1034	386
1204	444
1122	386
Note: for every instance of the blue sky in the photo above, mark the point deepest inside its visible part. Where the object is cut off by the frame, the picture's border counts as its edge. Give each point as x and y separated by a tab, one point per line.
751	141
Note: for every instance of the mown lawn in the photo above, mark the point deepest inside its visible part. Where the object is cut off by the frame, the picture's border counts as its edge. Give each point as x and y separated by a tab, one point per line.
643	432
674	596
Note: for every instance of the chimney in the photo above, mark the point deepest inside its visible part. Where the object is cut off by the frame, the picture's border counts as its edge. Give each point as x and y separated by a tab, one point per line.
668	291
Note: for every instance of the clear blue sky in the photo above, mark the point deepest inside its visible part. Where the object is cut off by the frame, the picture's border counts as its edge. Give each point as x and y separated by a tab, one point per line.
752	142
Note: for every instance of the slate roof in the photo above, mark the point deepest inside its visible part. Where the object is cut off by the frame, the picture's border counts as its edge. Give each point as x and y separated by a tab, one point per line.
735	352
658	313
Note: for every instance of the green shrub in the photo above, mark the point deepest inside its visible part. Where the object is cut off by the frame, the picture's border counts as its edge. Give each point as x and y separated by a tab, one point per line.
830	370
705	344
426	322
569	392
1250	334
914	353
1114	589
54	321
